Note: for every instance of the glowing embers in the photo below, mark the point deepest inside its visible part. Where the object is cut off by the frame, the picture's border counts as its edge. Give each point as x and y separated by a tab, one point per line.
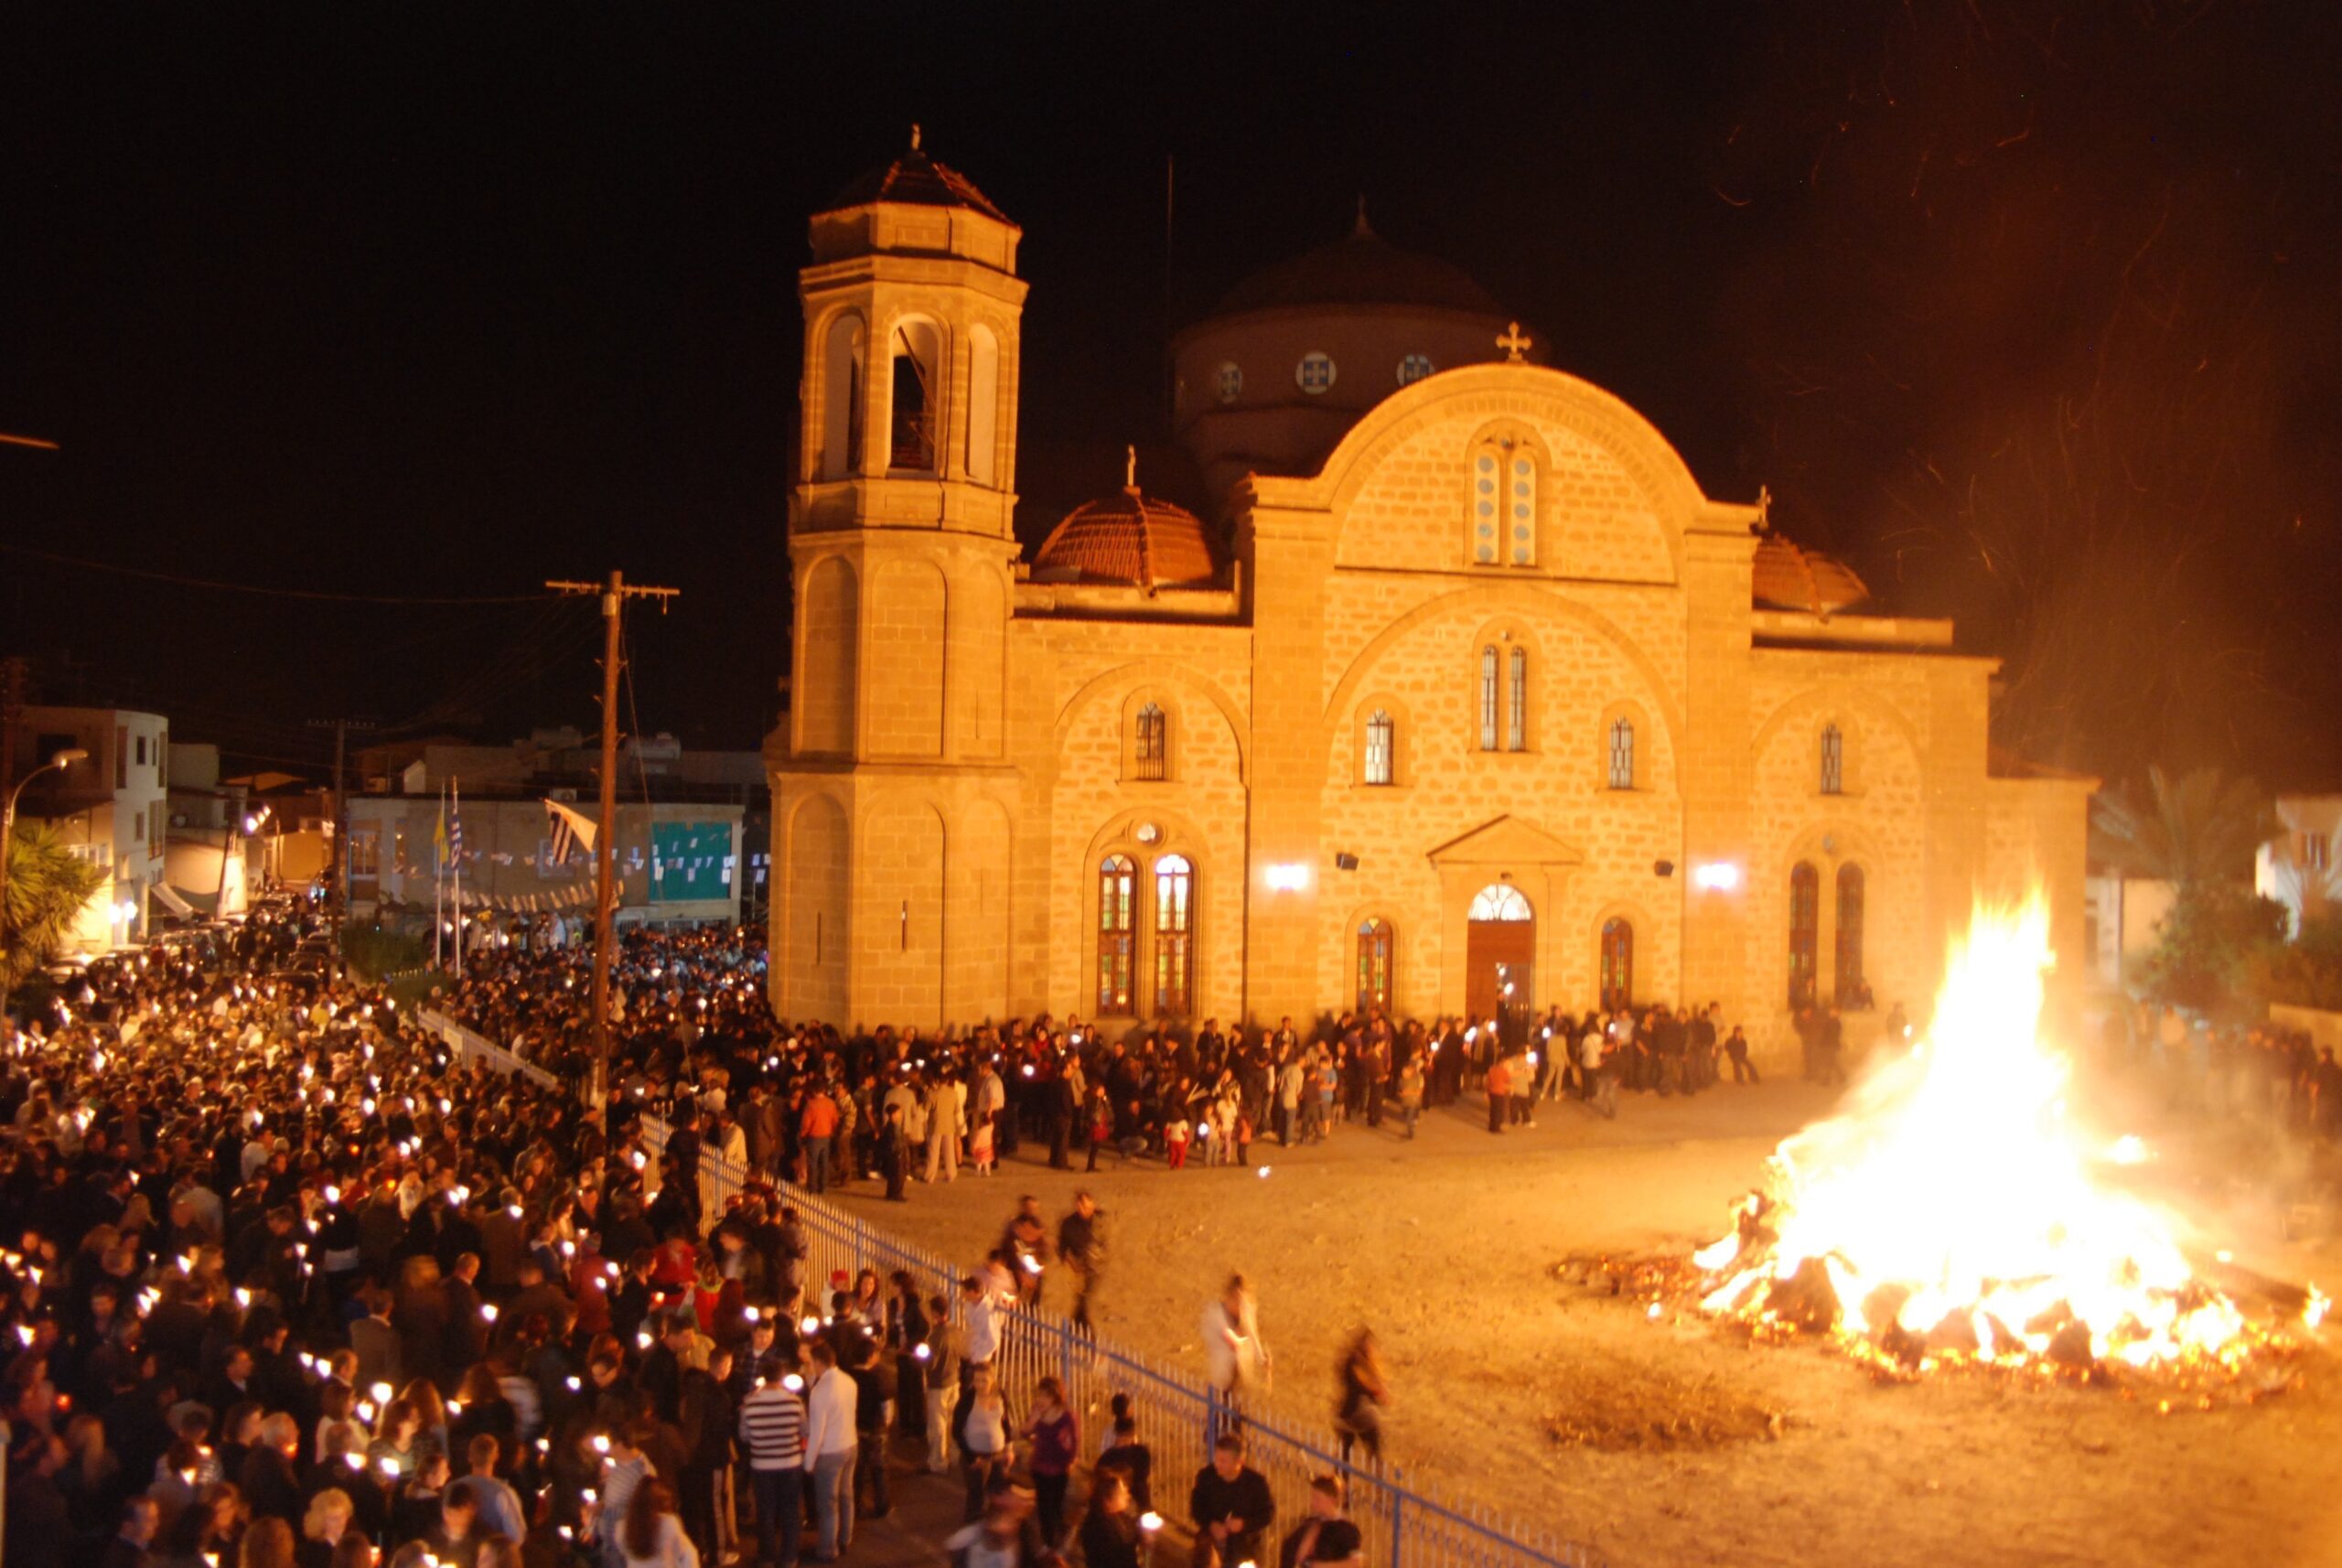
1952	1213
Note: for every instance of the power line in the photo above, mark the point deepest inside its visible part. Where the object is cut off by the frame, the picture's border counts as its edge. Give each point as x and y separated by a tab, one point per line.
265	593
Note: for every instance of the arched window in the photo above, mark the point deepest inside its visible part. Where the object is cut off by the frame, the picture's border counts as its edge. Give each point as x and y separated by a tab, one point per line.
983	401
1853	990
1618	964
1153	750
1175	895
1487	483
912	428
1834	760
1516	734
1381	748
1622	754
1373	964
842	399
1805	931
1488	698
1503	502
1521	515
1117	934
1500	901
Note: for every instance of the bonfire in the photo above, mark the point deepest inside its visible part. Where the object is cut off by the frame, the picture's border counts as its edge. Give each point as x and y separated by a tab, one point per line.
1953	1211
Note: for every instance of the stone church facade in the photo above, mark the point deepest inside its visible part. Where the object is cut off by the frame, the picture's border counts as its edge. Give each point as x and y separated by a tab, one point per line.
1476	689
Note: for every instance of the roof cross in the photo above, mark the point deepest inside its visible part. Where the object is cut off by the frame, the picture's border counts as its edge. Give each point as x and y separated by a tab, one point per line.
1130	467
1512	343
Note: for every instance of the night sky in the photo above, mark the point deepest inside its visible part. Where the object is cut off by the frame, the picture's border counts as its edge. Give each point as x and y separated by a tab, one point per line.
2032	311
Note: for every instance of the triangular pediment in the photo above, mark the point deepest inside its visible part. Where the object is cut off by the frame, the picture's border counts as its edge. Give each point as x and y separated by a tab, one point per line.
1507	841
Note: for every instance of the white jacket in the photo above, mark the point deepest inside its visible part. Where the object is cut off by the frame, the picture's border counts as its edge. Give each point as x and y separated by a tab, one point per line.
828	1416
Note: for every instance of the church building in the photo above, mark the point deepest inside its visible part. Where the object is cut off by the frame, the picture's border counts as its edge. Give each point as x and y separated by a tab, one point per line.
1466	692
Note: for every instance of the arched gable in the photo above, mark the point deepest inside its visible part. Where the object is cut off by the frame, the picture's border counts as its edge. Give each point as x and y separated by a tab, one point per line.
1614	498
1481	602
1163	673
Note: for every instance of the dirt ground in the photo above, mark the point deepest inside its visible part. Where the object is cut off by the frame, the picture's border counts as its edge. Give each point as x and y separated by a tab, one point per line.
1669	1442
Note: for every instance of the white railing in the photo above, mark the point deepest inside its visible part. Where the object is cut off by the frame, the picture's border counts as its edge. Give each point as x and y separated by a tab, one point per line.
470	1047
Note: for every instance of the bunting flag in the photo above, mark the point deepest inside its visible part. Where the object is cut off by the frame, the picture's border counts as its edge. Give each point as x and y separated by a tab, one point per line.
570	826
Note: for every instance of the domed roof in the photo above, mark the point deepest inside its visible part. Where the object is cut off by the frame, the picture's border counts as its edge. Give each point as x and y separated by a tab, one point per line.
1362	268
1128	538
918	179
1790	577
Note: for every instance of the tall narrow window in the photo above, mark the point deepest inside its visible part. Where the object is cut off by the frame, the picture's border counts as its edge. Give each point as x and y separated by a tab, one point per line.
1381	740
1487	478
1154	744
1516	736
1488	698
911	429
1622	754
1117	934
1521	515
1373	964
1834	760
1175	892
1502	503
983	401
841	450
1618	964
1805	931
1853	990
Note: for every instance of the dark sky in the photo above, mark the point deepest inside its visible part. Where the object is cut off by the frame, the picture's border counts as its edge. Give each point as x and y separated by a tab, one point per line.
2030	310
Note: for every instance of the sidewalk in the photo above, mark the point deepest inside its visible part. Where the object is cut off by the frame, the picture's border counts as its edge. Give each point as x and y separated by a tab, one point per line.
925	1509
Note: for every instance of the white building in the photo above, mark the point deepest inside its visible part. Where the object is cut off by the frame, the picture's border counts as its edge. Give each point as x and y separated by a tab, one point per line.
209	851
111	808
2297	867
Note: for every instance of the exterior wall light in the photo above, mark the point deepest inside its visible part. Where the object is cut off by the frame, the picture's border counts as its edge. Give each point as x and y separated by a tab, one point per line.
1287	877
1717	876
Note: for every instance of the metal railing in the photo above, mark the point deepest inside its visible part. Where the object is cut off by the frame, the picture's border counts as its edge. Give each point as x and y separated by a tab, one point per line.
1178	1416
471	1048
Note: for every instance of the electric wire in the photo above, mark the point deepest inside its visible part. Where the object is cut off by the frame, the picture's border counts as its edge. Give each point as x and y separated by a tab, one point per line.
216	584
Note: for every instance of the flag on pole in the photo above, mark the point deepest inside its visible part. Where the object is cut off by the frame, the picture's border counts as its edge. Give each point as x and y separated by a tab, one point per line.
455	859
571	827
439	883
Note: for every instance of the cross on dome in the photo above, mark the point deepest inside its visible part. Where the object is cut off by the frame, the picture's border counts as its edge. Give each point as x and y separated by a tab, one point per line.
1512	343
1130	467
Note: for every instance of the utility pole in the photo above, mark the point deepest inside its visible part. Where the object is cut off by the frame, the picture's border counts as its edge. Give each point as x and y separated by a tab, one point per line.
614	595
338	868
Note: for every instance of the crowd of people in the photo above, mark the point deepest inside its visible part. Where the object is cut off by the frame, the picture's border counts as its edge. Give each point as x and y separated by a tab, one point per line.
825	1107
289	1285
2262	1074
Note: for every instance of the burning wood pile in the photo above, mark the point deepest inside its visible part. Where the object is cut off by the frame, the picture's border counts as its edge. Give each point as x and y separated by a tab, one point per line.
1952	1214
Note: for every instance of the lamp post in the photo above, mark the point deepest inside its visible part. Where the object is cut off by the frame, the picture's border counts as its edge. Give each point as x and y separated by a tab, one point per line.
65	758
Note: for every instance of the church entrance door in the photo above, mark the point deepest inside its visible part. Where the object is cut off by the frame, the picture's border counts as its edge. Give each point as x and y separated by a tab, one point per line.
1500	951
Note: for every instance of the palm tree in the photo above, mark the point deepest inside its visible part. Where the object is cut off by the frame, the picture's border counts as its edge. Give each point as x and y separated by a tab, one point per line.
48	885
2203	827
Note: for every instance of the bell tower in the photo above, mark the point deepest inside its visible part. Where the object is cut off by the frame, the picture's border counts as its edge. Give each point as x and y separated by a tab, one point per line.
891	774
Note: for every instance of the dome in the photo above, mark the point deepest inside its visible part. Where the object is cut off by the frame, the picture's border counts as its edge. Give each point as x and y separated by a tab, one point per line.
1361	269
1128	538
920	180
1790	577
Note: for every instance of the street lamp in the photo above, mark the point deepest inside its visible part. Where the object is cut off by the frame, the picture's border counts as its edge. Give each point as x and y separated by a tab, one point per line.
65	758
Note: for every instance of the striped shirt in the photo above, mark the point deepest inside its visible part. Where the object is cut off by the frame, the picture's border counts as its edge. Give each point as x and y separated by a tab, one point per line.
772	1424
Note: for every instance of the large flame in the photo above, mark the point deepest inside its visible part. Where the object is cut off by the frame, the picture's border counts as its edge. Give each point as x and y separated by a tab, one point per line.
1952	1210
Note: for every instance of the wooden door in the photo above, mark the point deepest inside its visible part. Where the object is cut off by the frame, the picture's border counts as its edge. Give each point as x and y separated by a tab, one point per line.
1494	953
